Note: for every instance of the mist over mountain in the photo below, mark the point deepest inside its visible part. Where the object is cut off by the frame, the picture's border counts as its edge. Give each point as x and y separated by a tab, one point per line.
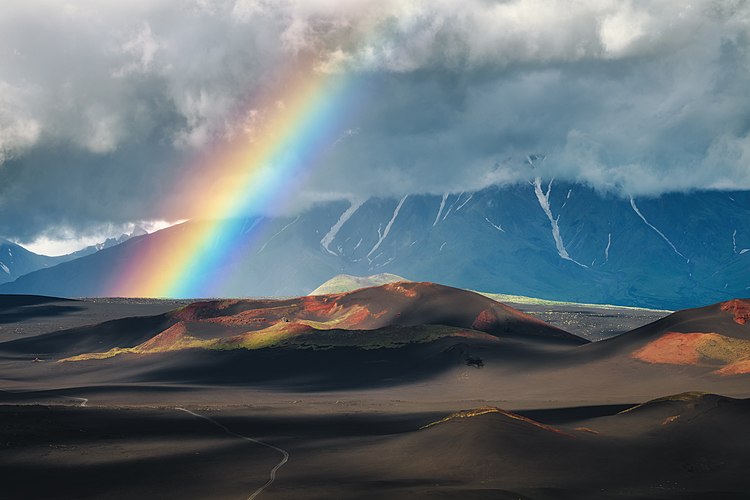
545	239
15	260
101	112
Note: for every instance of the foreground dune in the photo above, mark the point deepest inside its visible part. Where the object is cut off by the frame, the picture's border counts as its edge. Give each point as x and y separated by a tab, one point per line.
405	390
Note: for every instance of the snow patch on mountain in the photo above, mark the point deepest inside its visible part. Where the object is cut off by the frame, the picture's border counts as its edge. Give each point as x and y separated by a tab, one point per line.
450	209
570	191
275	235
246	229
606	250
453	205
499	228
4	268
440	210
331	234
384	235
543	198
464	203
447	213
638	212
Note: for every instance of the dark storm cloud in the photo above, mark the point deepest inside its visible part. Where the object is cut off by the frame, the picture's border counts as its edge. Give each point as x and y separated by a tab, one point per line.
103	103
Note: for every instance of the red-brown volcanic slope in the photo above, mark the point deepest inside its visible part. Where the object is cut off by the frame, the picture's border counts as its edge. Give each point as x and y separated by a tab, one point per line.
716	337
396	304
740	308
231	324
672	348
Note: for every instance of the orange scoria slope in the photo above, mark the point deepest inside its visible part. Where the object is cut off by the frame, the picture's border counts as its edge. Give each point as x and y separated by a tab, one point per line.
727	355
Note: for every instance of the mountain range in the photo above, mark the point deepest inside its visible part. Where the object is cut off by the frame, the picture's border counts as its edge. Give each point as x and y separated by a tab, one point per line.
15	260
543	239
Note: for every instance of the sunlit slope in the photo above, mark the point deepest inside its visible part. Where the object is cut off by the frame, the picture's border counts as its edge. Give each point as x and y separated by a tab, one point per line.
385	316
715	338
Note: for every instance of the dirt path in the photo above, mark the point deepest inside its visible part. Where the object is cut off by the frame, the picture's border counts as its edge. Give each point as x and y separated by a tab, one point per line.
272	475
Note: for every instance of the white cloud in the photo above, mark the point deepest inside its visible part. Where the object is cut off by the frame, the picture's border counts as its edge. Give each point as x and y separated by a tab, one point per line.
18	129
205	57
68	240
15	135
622	28
142	47
636	97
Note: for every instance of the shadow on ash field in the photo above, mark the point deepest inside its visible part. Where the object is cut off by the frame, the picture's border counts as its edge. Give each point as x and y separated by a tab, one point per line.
539	419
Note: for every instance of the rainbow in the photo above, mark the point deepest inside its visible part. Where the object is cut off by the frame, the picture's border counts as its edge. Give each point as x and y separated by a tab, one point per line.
301	120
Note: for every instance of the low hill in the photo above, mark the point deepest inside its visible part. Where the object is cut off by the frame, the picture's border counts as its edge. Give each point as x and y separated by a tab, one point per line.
347	283
697	416
694	444
389	315
715	337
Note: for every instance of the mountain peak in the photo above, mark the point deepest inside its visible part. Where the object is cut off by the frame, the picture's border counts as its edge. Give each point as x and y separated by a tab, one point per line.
137	231
347	282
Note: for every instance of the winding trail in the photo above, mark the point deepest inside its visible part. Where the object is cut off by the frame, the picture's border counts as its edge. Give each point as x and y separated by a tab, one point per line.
83	401
272	475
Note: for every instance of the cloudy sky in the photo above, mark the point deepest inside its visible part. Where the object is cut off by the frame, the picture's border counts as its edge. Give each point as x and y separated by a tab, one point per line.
105	105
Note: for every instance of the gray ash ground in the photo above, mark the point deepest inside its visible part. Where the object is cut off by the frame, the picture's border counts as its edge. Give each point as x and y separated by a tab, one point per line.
592	323
26	315
356	423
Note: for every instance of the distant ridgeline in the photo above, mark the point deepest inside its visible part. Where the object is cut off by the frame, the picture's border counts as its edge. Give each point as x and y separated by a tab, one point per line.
547	240
15	260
